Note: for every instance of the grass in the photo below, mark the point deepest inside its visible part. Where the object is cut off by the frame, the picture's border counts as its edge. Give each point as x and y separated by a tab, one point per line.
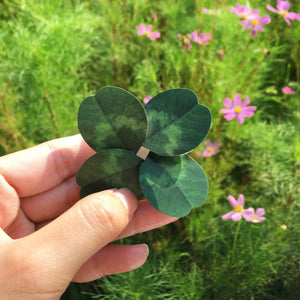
54	54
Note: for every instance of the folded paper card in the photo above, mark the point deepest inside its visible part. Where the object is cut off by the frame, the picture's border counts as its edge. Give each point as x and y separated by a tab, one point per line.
143	147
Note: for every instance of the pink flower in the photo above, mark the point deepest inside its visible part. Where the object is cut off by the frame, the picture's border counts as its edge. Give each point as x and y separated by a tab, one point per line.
251	215
147	99
238	208
241	11
143	30
283	9
237	109
201	39
255	22
211	148
288	90
185	42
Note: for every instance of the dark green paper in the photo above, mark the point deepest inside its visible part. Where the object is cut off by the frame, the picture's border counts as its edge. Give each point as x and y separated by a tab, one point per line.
111	168
168	186
113	118
116	125
176	122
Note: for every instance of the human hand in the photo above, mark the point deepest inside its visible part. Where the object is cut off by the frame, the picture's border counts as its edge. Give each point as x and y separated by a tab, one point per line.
48	237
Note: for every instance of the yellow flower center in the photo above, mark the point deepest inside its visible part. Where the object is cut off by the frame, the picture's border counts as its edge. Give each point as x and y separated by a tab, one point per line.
255	218
237	109
210	149
284	12
238	208
254	22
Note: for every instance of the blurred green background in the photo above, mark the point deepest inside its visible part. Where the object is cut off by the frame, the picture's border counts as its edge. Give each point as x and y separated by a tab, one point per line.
54	53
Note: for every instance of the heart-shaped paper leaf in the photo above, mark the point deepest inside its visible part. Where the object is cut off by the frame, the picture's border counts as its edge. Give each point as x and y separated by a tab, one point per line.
112	168
176	122
113	118
173	185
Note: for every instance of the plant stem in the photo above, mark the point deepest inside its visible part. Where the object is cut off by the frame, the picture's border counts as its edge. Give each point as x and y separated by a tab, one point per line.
235	239
51	113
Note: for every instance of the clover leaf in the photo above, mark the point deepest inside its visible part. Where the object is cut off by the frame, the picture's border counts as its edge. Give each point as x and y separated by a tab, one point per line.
117	126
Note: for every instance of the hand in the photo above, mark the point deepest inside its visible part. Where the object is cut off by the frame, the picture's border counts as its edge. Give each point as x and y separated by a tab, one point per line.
48	237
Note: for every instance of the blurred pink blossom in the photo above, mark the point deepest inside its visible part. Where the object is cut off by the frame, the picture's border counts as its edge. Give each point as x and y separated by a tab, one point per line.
201	39
251	215
237	109
205	10
288	90
238	208
147	99
142	29
255	22
185	42
283	9
211	148
241	11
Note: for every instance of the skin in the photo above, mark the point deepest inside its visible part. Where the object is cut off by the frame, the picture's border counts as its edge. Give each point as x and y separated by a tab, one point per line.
48	237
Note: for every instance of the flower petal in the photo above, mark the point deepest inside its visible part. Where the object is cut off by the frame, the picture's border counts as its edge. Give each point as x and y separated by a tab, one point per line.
230	116
254	15
228	215
240	118
236	217
241	200
265	20
246	102
253	32
227	102
283	5
208	143
248	214
250	108
260	212
293	16
271	8
237	100
227	111
247	113
232	201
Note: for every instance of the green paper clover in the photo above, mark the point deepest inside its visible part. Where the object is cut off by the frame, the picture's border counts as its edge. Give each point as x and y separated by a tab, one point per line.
116	125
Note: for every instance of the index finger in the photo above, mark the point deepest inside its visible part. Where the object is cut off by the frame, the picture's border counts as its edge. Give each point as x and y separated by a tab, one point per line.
42	167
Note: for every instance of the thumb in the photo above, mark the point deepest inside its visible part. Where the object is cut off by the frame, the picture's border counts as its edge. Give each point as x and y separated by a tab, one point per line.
70	240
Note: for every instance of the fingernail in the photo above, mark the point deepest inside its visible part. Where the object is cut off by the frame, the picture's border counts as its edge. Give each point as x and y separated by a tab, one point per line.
147	248
129	200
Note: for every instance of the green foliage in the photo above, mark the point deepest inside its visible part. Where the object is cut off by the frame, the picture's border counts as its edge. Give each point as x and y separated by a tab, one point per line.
53	54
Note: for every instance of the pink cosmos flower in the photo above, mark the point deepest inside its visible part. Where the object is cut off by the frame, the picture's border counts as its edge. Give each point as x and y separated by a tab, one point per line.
283	9
142	29
288	90
237	109
241	11
251	215
211	148
185	42
238	208
255	22
201	39
147	99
